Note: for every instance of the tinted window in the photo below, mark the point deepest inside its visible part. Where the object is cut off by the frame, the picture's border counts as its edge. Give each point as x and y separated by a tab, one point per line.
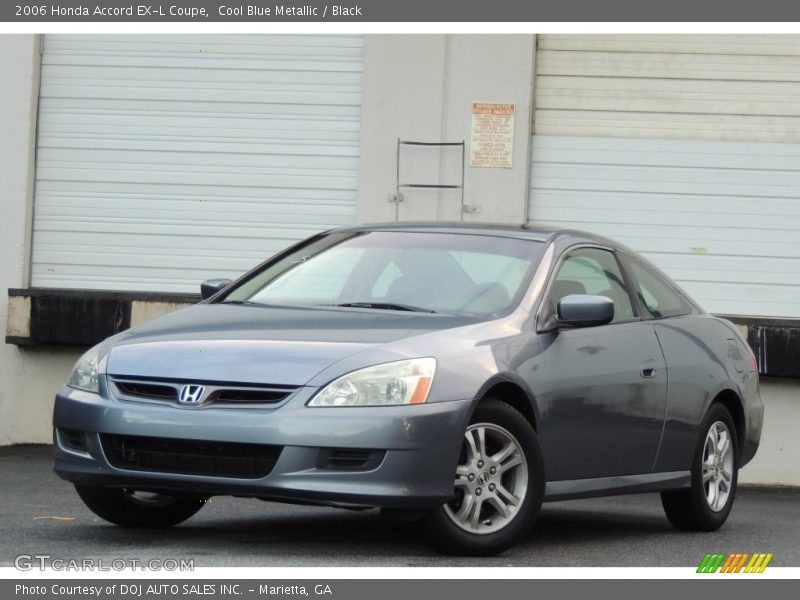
450	273
655	294
596	272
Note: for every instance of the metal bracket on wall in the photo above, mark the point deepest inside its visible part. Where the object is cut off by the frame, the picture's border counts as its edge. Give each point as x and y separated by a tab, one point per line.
397	197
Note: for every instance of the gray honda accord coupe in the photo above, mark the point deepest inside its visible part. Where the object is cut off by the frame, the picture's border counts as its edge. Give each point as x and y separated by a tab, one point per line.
461	374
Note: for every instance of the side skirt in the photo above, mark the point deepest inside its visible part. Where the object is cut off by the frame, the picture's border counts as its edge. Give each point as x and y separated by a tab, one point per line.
611	486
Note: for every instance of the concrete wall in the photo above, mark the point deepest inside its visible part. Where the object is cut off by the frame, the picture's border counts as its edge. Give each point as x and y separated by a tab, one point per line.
28	378
778	456
421	88
403	93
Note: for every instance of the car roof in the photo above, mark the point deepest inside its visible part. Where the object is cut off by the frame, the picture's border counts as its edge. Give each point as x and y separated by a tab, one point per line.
533	232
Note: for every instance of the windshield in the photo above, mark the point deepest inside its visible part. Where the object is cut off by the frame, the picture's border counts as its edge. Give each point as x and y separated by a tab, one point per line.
391	270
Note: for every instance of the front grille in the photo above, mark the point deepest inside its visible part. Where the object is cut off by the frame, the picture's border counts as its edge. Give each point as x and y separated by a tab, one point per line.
247	396
214	393
190	457
142	389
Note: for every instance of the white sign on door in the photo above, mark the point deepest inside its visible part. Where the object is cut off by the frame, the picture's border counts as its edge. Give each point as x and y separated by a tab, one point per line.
492	135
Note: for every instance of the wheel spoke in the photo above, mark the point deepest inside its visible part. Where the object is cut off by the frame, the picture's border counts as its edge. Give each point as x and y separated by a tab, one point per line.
712	494
499	505
481	443
506	496
503	453
715	438
513	461
722	443
467	503
472	450
710	448
708	468
475	512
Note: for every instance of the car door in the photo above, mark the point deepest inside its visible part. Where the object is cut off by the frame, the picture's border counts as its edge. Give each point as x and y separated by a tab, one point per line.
601	390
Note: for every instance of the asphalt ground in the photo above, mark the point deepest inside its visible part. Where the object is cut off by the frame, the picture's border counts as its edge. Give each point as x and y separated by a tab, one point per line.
41	514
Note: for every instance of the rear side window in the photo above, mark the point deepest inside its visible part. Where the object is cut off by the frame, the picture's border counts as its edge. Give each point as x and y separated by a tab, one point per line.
655	294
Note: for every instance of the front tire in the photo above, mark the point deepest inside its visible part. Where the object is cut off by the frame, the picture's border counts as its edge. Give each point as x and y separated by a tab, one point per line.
499	485
138	510
707	503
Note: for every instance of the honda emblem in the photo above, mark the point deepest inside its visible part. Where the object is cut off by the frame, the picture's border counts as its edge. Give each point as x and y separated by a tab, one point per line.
191	394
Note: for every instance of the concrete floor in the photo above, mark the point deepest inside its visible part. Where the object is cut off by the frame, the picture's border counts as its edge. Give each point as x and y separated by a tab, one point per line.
620	531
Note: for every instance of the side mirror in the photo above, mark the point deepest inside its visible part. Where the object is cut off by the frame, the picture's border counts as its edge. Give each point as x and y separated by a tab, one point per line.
584	310
211	286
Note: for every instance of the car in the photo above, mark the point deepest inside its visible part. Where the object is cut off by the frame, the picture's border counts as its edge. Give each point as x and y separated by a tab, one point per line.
460	374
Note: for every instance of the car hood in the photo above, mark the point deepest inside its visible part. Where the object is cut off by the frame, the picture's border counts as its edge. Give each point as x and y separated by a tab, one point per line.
260	345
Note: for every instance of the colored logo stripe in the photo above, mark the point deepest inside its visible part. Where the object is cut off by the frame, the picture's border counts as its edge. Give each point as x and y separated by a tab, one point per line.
726	567
758	563
711	562
734	563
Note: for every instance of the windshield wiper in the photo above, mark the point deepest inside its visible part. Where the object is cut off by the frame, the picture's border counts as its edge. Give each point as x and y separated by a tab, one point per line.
375	305
383	306
244	303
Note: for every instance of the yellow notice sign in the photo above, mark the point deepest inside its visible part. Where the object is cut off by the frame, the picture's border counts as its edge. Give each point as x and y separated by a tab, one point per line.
492	135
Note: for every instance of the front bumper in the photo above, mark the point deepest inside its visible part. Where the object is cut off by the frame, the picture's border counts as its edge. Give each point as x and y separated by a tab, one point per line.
419	446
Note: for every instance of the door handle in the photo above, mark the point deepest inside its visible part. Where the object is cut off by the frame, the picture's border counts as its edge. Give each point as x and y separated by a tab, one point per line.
648	369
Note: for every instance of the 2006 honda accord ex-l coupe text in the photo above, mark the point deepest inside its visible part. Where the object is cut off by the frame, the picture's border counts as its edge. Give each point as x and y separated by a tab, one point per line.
461	373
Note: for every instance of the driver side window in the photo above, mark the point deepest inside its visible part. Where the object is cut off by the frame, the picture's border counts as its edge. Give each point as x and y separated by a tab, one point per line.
595	272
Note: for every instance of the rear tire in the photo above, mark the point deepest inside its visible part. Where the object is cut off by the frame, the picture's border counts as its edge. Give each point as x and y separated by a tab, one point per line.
707	503
499	485
139	510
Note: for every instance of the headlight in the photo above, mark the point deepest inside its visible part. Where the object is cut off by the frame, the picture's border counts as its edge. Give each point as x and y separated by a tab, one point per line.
389	384
85	373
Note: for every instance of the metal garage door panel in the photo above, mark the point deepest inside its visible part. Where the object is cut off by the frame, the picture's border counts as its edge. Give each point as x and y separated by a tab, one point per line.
700	87
165	160
770	44
685	147
725	228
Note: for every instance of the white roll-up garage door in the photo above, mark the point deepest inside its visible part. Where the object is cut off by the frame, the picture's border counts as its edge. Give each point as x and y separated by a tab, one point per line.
165	160
686	148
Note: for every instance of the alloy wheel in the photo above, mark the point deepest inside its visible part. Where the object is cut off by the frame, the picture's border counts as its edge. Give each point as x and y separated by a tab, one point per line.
491	480
717	466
